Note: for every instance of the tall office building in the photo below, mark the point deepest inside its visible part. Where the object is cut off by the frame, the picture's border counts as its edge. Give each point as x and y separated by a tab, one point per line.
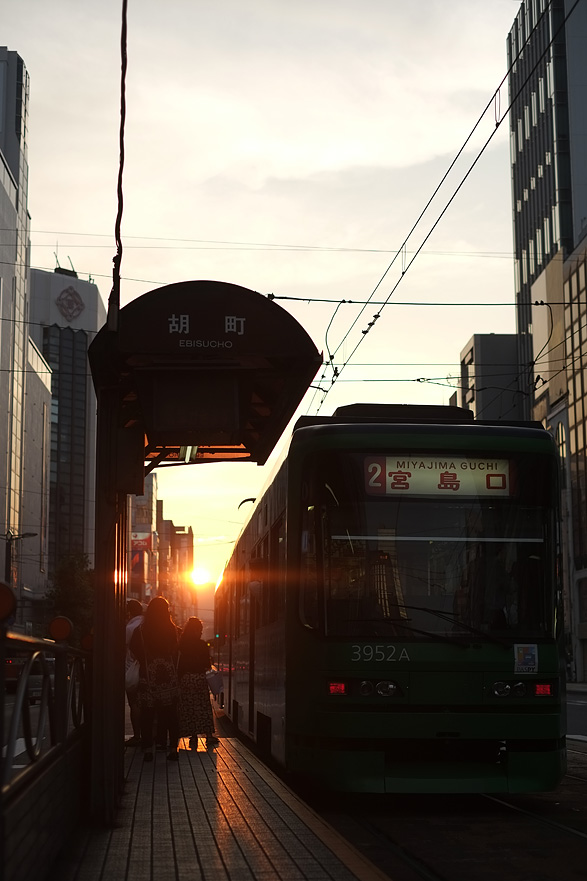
144	547
489	377
65	314
548	146
30	552
14	250
547	48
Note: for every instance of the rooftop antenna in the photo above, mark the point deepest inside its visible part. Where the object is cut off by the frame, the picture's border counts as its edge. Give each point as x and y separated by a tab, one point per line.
71	264
57	258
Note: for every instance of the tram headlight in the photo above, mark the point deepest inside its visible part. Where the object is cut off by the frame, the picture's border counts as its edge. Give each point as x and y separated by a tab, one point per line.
501	689
519	689
366	688
386	688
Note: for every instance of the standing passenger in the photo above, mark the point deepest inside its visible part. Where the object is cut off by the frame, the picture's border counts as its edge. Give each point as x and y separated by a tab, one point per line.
154	643
134	618
195	710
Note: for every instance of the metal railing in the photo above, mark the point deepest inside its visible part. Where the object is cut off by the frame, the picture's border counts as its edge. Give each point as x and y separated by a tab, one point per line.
49	707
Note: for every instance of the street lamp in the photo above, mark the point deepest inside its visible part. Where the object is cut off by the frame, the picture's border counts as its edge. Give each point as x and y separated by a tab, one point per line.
9	537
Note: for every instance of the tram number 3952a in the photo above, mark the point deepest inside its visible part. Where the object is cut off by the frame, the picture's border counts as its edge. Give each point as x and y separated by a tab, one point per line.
378	653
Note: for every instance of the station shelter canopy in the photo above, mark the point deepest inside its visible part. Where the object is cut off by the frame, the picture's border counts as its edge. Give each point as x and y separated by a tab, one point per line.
204	371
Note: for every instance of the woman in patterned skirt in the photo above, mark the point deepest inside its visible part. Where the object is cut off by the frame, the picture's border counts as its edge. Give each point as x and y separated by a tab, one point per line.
195	710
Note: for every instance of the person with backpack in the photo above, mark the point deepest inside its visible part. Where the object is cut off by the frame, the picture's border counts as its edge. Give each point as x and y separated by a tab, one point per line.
155	644
195	710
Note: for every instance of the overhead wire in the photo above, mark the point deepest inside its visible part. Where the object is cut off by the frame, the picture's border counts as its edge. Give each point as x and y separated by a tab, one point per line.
336	378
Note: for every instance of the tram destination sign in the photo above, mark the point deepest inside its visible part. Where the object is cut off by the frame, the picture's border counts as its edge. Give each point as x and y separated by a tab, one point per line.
405	475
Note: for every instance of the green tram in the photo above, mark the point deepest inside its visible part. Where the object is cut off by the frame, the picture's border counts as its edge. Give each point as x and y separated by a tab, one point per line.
391	619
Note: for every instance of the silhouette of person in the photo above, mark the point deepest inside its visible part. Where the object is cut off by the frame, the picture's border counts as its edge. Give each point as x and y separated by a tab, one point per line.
195	710
154	643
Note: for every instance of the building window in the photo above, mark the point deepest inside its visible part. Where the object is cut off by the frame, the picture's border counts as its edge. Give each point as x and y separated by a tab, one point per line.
534	109
550	78
548	158
525	194
541	101
518	205
517	276
513	147
539	247
532	183
531	257
524	267
547	243
555	226
540	171
561	442
527	121
520	136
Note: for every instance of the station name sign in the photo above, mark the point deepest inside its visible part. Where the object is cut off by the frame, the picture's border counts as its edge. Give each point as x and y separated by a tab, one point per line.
209	321
179	325
405	475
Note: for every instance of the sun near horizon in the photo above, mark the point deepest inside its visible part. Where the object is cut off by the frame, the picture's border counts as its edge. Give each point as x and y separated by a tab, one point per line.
201	575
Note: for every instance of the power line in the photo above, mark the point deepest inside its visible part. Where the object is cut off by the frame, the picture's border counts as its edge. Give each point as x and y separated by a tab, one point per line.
238	245
336	374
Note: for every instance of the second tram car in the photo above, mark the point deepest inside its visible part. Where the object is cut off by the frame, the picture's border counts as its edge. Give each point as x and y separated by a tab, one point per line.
390	618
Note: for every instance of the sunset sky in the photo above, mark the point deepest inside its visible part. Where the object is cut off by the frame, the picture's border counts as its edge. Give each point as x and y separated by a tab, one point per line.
288	148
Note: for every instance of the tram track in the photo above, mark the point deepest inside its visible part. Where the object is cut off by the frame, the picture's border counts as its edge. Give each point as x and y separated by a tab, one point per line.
504	842
552	823
541	837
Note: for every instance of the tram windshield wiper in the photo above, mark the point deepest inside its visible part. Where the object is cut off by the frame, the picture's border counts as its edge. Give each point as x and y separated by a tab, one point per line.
452	619
400	622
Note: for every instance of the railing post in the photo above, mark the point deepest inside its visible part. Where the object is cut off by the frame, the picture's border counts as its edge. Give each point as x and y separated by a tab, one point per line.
61	629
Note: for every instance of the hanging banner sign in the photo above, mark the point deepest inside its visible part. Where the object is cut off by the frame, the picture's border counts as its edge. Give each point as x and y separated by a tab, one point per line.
407	475
141	541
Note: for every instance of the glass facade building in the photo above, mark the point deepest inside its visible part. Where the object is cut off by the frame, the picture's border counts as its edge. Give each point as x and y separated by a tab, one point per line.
66	352
539	156
547	47
14	257
66	313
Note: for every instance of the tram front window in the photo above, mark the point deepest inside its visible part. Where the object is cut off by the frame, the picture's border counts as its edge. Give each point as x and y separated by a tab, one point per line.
430	567
415	568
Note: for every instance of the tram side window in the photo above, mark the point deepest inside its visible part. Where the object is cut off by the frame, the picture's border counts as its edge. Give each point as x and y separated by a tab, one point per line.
256	581
242	605
276	594
309	569
262	586
221	616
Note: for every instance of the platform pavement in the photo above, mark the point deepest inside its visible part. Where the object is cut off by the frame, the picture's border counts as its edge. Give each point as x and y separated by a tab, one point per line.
218	815
214	816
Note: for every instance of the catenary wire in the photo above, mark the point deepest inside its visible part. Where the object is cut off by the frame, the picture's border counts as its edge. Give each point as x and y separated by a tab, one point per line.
336	377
